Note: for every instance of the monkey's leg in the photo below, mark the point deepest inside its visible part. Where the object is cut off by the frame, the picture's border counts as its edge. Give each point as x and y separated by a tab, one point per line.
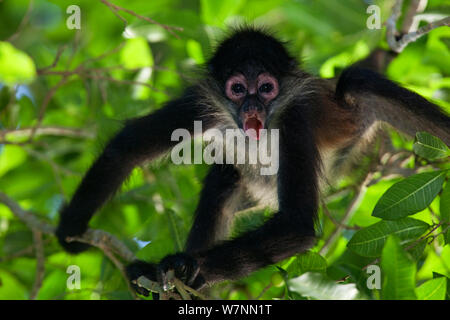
215	209
141	139
213	217
375	98
288	232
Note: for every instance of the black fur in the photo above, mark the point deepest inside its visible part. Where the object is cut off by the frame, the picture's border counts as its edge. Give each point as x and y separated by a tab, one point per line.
142	139
250	47
387	101
219	186
141	268
361	93
289	231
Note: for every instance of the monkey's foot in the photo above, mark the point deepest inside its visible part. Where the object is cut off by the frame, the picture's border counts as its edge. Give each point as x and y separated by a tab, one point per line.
185	268
140	268
73	246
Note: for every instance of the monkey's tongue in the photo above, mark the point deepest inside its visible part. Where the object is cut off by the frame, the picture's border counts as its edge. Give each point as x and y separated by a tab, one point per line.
256	125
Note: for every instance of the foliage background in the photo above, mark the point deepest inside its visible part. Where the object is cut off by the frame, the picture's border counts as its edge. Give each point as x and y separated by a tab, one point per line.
102	64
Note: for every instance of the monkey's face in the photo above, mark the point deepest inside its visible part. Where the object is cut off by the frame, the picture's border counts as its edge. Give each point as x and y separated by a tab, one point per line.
252	96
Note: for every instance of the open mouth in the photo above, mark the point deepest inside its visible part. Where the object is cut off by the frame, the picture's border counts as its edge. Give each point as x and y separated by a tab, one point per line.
252	127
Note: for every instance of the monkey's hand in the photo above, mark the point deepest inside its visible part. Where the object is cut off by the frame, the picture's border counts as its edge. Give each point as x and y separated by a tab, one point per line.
140	268
185	268
70	227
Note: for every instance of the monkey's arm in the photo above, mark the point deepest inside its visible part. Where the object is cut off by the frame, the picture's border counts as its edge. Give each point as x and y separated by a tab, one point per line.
215	208
288	232
141	139
217	203
375	98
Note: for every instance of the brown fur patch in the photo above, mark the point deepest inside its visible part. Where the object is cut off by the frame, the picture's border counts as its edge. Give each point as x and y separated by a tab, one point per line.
336	125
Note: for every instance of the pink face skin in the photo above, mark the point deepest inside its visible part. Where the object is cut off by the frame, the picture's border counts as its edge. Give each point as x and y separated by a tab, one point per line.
266	85
237	88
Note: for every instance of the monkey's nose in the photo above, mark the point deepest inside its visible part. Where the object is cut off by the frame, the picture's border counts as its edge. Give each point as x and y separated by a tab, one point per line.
252	108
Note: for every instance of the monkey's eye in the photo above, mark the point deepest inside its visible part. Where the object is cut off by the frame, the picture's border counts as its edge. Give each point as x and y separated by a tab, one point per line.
238	88
266	87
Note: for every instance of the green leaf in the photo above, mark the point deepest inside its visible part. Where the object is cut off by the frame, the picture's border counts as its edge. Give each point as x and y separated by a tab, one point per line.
17	241
433	289
11	158
318	286
194	50
216	12
399	272
369	241
309	261
430	147
54	285
445	203
447	237
15	65
136	54
11	288
409	196
439	275
444	209
417	249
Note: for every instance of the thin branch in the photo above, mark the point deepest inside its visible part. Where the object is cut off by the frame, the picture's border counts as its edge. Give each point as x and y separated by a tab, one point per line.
354	205
28	218
416	6
264	291
24	252
45	103
40	264
125	81
391	24
119	265
23	23
415	243
398	44
413	36
55	60
335	222
103	55
177	289
115	9
102	239
97	238
49	131
180	284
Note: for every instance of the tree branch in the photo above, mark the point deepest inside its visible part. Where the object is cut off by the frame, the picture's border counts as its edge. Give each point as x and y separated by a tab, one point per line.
40	264
97	238
115	9
50	131
413	36
415	7
354	205
396	43
23	23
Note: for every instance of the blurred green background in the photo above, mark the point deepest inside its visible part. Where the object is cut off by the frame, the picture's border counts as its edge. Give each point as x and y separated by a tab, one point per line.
102	66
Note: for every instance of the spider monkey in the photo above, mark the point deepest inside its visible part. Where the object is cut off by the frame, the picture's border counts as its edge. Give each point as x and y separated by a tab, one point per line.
252	82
